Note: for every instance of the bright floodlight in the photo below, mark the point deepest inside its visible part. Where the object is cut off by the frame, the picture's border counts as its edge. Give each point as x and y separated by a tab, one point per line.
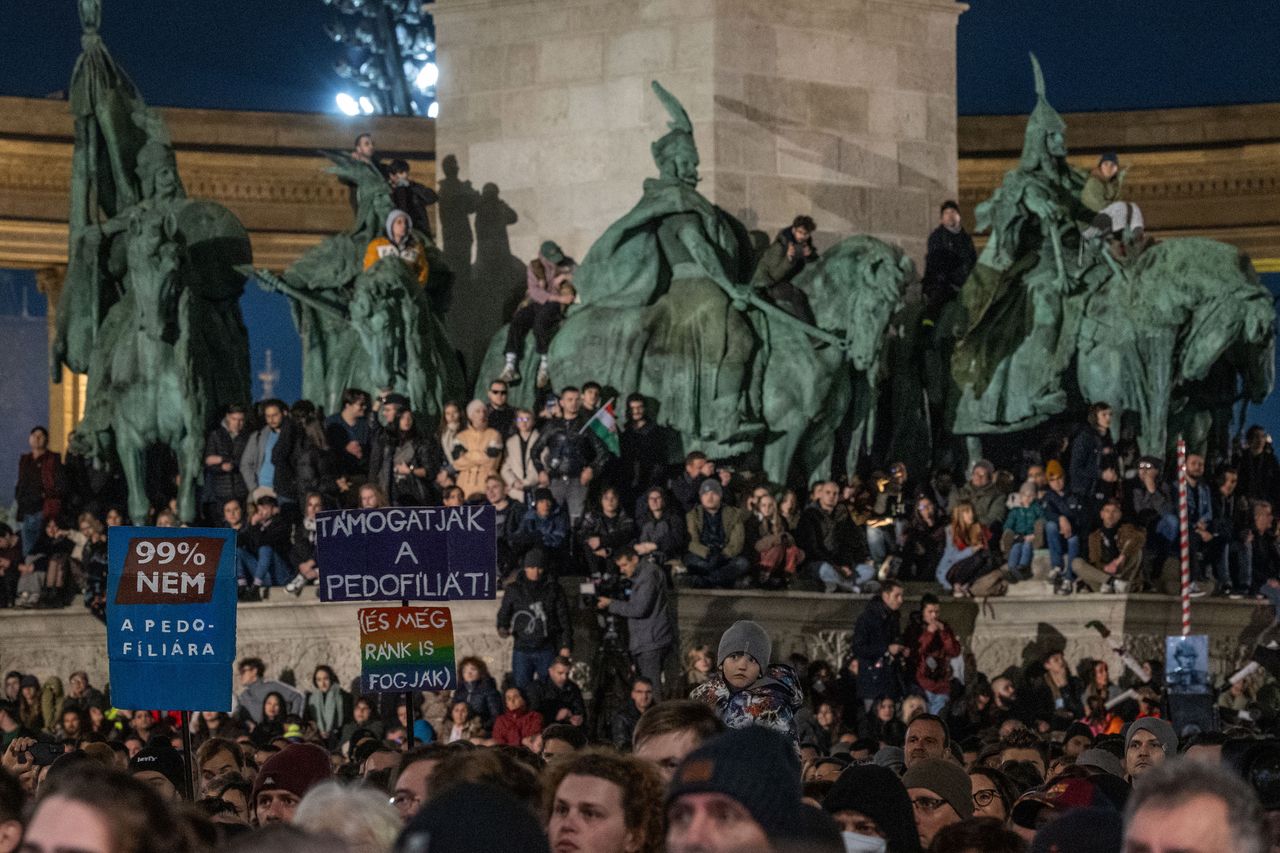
347	104
366	105
434	110
427	77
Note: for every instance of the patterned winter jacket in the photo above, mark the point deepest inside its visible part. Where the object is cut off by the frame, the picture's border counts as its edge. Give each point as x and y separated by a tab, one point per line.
771	702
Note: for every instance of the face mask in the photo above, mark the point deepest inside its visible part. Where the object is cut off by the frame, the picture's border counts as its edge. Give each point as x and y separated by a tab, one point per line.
855	843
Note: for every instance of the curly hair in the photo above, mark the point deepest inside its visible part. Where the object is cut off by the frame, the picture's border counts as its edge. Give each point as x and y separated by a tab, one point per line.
640	791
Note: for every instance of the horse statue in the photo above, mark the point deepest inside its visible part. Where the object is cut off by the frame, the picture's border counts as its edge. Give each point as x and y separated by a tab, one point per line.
667	311
372	328
1058	314
150	305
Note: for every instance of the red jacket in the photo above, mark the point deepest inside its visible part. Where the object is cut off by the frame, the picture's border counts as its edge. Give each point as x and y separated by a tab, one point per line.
513	727
931	653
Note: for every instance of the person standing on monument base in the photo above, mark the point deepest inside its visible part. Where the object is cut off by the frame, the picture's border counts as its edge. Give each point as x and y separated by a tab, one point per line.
549	283
223	451
567	458
535	613
39	489
267	463
949	258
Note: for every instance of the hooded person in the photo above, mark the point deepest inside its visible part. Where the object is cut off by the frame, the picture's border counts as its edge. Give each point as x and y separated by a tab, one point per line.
873	810
398	240
750	775
284	780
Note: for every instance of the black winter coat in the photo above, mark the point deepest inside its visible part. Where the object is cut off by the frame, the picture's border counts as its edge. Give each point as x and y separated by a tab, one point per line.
536	614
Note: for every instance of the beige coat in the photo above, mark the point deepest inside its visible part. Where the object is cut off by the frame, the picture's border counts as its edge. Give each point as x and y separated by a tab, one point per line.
518	471
481	455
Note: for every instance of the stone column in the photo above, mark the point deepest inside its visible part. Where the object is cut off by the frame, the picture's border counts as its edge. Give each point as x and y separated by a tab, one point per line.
841	109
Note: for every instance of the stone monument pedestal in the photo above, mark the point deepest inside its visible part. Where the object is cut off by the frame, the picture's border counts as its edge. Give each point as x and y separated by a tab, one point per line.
841	109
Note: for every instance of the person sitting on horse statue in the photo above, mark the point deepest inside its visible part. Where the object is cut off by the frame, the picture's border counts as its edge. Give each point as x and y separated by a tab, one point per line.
785	258
399	242
549	282
1118	222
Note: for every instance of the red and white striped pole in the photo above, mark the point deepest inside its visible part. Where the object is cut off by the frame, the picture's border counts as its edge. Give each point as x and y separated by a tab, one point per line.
1184	536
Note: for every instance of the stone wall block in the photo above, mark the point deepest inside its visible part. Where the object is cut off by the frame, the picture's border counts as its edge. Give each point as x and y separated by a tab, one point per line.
810	155
569	58
647	51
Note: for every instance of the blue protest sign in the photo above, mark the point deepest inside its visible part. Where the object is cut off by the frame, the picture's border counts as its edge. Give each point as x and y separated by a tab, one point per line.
433	553
171	617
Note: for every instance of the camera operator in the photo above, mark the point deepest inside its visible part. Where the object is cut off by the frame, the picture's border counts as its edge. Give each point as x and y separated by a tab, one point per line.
648	614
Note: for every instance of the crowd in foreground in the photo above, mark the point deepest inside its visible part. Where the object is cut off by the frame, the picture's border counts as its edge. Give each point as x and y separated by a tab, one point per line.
748	753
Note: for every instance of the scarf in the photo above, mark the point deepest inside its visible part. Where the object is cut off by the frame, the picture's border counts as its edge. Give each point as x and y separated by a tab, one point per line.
328	709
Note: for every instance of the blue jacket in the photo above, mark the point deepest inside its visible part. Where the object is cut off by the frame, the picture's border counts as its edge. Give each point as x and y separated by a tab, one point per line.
550	532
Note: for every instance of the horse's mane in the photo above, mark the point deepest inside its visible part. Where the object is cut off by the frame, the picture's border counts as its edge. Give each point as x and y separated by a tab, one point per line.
845	265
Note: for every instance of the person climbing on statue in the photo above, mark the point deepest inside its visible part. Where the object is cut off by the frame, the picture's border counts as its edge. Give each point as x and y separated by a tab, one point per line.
399	242
948	260
549	282
1118	222
785	259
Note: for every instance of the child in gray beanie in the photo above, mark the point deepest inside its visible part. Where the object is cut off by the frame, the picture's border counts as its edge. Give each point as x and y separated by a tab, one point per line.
746	690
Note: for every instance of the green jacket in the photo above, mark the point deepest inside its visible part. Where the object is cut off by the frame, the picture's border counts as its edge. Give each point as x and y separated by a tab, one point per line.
1097	193
735	531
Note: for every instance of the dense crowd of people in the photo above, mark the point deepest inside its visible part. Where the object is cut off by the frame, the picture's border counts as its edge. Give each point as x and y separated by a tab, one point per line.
746	753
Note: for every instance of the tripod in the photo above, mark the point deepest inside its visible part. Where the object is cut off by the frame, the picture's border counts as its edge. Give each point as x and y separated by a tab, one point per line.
610	676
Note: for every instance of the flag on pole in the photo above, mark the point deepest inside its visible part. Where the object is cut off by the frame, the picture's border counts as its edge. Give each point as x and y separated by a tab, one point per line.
605	428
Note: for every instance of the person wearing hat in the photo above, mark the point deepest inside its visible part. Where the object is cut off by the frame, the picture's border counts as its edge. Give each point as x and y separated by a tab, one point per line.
940	794
717	539
1062	520
535	612
549	286
161	767
873	810
1147	743
949	258
746	690
1040	806
1114	217
1102	188
739	791
284	780
399	242
989	501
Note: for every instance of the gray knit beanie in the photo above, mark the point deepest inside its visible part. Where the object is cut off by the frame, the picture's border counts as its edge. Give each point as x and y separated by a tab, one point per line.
1158	727
746	636
947	780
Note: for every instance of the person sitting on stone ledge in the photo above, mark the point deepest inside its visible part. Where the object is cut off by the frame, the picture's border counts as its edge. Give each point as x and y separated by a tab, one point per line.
986	496
782	262
836	547
399	242
717	539
1114	562
549	283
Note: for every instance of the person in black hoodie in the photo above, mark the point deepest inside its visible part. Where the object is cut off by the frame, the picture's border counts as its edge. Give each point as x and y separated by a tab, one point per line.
535	613
223	450
269	538
556	697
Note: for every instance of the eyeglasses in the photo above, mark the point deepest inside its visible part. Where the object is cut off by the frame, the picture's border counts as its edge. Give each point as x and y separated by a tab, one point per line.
400	799
928	804
1142	465
983	798
501	392
523	420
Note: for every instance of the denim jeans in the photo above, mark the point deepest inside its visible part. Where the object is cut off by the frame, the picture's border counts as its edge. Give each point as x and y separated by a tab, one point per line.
1020	554
1057	542
716	571
31	527
266	567
829	574
528	665
878	542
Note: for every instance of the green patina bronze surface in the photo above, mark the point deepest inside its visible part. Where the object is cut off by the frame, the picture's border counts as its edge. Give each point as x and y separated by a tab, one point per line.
666	310
369	329
150	306
1172	335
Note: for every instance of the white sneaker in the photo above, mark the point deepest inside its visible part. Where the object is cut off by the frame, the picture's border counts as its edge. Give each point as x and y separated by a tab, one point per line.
510	374
1108	588
1196	591
544	376
1120	587
295	586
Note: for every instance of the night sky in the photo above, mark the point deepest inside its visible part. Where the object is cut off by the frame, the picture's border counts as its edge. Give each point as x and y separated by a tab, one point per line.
274	55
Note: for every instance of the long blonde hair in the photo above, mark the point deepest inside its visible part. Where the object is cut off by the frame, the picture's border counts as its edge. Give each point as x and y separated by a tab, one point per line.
965	529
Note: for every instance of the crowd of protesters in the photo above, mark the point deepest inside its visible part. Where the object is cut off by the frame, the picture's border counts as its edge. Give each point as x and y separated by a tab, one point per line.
746	752
1082	515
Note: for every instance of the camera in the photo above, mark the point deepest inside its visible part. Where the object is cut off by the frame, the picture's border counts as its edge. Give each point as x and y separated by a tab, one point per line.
611	585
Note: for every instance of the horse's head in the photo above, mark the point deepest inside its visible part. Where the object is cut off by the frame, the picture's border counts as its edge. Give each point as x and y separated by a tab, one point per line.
153	255
854	290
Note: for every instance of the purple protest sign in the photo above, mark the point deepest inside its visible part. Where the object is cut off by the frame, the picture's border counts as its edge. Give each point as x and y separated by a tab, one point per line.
407	553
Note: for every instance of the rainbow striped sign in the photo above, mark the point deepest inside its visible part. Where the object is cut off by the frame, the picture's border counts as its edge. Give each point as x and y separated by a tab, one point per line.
406	648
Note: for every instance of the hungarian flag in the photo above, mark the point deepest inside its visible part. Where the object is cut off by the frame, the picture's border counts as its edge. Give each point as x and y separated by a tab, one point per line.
605	427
